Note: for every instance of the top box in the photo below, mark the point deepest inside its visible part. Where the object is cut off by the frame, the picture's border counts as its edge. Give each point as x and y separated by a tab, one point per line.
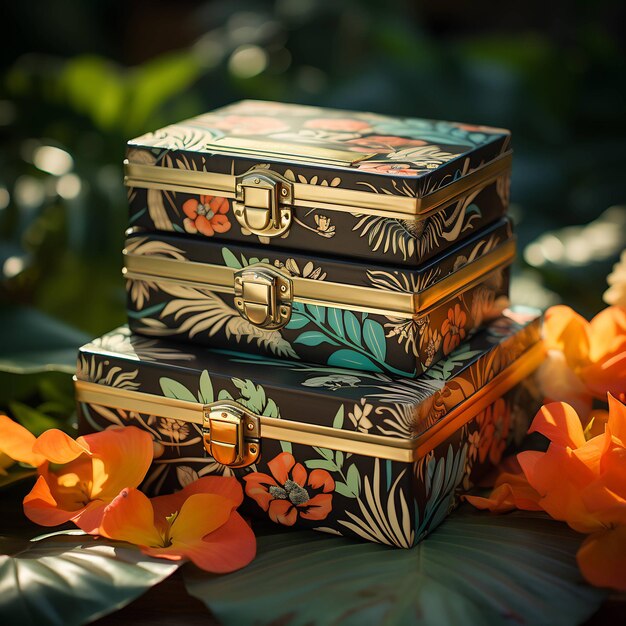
359	185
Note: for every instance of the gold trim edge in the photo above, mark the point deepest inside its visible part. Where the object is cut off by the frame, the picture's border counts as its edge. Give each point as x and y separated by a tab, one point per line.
319	196
220	279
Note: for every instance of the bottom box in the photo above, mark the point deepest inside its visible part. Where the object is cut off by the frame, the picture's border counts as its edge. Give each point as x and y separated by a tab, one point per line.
352	453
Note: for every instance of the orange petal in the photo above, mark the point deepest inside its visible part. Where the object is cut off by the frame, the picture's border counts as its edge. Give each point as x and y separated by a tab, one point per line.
41	507
17	442
89	519
607	375
283	512
130	517
230	547
617	418
608	333
281	465
560	423
121	458
190	208
602	556
511	492
201	514
257	488
220	223
204	226
318	507
298	474
58	447
566	331
321	479
226	486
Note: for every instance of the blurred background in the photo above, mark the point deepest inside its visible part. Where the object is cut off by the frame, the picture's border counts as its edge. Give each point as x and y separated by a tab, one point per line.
80	78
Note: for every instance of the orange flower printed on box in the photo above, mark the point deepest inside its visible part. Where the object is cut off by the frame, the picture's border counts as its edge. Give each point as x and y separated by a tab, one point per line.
453	329
86	474
348	124
206	216
290	492
580	480
402	169
585	359
199	523
494	424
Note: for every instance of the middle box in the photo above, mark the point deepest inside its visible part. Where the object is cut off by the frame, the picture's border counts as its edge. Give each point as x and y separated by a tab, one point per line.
339	313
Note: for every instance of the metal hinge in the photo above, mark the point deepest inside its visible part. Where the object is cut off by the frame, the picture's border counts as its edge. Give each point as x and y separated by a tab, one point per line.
263	295
262	202
232	435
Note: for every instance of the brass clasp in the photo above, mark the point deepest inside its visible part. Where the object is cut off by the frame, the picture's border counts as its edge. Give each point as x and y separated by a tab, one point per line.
231	434
263	295
262	202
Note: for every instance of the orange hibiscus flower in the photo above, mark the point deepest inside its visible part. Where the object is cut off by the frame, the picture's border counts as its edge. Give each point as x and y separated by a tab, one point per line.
206	216
584	359
289	492
199	523
401	169
579	481
88	473
453	329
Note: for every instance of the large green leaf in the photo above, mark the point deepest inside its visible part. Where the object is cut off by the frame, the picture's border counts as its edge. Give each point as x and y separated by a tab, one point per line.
33	342
68	580
475	568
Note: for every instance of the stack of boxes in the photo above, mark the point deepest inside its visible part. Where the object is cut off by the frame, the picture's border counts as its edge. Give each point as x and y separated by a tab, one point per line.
318	304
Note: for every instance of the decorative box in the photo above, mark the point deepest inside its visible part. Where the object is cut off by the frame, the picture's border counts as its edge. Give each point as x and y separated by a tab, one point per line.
398	321
344	452
375	188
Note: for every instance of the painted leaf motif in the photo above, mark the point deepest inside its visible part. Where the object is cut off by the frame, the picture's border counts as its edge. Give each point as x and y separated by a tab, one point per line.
173	389
206	395
314	338
352	360
68	581
230	259
317	312
353	327
186	475
297	321
335	321
474	569
374	336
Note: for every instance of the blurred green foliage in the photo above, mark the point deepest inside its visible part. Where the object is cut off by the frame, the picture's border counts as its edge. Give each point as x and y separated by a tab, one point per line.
85	77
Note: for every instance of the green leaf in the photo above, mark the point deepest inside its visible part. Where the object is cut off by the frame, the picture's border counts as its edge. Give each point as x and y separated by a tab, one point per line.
374	335
314	338
297	321
32	419
173	389
69	581
343	490
230	259
476	568
335	321
352	360
286	446
33	342
206	395
354	480
318	312
329	466
353	327
338	421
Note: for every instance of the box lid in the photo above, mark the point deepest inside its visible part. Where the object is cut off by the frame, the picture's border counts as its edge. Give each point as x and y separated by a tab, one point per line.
368	413
254	151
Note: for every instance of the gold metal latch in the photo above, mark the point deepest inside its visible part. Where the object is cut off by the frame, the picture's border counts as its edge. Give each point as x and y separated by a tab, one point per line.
232	436
262	202
263	295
